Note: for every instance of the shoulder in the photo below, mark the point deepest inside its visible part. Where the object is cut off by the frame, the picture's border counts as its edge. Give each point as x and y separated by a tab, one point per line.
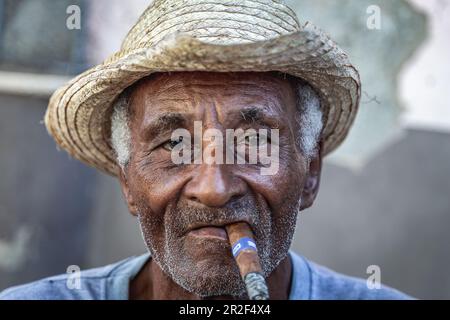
326	284
91	286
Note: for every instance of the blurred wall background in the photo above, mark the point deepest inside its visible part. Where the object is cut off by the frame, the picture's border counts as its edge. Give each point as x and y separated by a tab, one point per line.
384	197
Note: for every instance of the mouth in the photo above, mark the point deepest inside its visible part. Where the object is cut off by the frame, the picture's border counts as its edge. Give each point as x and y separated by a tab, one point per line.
210	231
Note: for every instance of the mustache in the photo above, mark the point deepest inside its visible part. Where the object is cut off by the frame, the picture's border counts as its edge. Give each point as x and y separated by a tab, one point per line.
186	217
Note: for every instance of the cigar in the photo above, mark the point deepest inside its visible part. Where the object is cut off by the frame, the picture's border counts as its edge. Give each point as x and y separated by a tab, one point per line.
246	256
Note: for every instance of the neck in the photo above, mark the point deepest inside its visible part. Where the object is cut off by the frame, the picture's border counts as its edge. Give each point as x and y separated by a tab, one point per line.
151	283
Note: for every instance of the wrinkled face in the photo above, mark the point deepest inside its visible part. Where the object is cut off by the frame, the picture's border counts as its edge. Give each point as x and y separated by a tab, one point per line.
182	208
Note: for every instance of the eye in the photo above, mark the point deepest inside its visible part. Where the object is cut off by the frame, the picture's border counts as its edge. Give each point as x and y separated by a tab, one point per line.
257	139
169	145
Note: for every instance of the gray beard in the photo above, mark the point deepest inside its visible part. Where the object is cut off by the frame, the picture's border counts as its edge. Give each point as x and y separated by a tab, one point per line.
217	277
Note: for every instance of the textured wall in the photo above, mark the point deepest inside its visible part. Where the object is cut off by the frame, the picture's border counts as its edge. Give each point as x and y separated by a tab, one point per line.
393	213
45	198
34	37
379	54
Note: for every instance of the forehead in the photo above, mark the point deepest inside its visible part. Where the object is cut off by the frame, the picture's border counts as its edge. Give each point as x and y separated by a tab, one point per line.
192	93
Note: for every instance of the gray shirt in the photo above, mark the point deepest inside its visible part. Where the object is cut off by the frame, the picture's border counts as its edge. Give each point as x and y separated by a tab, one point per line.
309	282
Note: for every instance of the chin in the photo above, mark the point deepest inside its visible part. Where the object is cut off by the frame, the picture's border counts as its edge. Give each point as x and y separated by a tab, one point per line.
212	281
207	274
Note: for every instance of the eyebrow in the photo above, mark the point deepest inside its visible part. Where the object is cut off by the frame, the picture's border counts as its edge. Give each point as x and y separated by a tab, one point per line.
162	123
256	115
171	121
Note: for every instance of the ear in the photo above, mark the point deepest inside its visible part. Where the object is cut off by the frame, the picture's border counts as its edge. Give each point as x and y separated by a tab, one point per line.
126	192
313	180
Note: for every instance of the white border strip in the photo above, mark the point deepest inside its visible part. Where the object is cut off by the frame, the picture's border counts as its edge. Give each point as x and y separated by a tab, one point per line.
19	83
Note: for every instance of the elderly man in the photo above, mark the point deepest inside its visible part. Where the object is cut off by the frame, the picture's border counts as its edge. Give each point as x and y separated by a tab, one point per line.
220	67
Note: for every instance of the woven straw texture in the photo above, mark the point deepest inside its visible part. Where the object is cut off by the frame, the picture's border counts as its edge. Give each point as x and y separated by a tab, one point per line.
204	35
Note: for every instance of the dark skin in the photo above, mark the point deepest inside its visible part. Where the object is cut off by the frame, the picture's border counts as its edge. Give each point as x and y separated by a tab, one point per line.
151	183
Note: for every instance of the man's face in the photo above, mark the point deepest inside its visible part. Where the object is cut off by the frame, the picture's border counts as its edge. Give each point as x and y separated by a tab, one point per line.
183	208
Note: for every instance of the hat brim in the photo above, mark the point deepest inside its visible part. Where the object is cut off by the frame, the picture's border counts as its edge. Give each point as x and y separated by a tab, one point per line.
79	114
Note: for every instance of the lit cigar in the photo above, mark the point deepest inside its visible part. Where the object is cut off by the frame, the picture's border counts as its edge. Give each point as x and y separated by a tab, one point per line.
245	253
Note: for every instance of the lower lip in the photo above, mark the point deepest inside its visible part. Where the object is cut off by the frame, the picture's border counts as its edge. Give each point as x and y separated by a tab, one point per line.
210	232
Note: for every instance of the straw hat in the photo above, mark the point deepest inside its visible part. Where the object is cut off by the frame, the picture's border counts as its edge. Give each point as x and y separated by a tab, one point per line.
204	35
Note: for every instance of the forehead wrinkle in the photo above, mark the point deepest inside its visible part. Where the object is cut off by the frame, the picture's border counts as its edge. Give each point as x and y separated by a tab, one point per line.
176	84
190	96
169	80
248	108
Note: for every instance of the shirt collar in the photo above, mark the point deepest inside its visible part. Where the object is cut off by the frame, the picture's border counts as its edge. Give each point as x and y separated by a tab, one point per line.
118	283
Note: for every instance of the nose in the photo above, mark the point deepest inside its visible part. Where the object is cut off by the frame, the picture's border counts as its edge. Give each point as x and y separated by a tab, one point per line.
214	186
